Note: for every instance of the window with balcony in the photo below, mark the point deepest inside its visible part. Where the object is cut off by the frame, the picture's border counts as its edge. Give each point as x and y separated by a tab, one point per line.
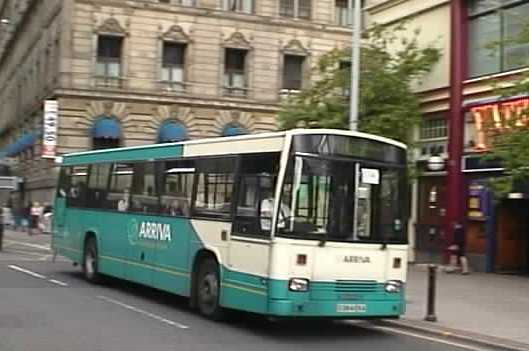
109	56
433	128
179	2
433	134
293	72
235	72
295	8
494	28
343	12
173	63
245	6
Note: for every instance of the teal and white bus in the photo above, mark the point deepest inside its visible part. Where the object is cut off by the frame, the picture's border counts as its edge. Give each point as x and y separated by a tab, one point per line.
302	223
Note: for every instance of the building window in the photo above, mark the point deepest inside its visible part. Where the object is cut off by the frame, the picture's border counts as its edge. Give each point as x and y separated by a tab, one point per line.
433	129
493	22
109	56
245	6
293	72
235	72
173	62
345	68
295	8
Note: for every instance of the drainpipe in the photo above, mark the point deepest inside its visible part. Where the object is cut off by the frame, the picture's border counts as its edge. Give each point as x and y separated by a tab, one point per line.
455	203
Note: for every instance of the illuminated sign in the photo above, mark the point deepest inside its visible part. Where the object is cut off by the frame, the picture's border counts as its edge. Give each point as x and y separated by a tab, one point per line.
497	117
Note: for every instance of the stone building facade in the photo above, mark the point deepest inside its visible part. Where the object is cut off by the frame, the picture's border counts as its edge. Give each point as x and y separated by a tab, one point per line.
133	72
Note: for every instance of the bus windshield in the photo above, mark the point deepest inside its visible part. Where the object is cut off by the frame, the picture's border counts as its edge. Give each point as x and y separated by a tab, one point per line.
339	199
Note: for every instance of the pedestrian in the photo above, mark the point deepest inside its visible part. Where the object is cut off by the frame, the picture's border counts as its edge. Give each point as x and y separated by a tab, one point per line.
458	250
1	228
36	213
26	214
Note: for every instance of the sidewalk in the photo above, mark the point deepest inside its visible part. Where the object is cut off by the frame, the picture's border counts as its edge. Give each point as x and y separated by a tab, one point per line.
486	306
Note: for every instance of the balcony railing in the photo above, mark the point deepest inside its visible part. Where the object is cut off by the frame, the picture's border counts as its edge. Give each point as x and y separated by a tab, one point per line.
131	85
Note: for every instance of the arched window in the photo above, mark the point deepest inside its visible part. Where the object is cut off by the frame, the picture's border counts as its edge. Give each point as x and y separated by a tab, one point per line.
172	131
106	133
233	129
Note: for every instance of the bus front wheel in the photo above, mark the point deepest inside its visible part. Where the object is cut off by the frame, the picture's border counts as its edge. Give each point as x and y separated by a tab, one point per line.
90	261
208	290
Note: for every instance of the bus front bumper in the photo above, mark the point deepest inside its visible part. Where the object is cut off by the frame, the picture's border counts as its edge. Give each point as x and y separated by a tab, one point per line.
337	309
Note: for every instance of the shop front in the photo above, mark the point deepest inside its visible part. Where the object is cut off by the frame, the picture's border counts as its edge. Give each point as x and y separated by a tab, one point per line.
497	230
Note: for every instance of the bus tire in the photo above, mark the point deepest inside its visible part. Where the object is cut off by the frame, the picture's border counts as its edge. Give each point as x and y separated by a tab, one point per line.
91	261
208	290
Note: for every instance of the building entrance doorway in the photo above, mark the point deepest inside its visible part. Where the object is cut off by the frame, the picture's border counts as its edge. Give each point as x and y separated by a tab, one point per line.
512	237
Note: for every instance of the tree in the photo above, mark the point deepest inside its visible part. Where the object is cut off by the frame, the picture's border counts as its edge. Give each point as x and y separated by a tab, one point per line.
391	62
509	143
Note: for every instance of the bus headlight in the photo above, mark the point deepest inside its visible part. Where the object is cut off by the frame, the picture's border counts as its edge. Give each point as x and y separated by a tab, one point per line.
298	284
393	286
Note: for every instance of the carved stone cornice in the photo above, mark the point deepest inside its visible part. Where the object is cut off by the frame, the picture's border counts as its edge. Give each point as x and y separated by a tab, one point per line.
177	34
111	26
294	47
237	41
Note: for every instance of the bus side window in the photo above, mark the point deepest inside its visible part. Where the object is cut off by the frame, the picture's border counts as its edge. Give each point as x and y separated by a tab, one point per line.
65	178
176	186
215	187
77	186
118	197
143	191
97	185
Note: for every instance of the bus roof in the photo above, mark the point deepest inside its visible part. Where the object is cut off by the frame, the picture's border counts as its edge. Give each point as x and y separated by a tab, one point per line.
251	143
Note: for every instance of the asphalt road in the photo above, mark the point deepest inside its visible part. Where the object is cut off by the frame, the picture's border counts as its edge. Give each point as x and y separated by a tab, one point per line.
47	306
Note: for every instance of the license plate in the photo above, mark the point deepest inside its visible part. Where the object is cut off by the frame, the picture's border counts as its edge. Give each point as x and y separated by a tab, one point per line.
351	307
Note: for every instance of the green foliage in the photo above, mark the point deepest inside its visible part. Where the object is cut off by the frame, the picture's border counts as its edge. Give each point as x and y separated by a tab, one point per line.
510	145
391	61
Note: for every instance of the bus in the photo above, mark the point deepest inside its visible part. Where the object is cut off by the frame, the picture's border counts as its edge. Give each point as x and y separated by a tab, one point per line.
300	223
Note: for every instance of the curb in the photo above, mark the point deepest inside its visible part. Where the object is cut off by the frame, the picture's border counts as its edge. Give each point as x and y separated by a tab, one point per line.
455	335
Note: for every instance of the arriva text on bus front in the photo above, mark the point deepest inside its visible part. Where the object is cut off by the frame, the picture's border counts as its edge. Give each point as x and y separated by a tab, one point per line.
155	231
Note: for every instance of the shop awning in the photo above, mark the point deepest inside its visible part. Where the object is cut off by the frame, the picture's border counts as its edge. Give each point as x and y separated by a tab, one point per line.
106	128
172	132
233	129
25	141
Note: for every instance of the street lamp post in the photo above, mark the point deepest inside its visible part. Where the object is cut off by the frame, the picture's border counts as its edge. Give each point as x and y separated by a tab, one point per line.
355	64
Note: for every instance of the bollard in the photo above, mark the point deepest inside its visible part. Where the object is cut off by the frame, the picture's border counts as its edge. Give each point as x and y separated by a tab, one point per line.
1	236
430	314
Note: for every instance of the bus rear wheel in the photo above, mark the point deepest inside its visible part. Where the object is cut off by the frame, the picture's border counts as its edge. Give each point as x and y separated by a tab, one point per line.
208	290
90	261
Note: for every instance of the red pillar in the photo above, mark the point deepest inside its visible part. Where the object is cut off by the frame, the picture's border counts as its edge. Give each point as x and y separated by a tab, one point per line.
455	201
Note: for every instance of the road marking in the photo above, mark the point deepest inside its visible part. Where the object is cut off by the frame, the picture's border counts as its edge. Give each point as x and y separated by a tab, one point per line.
58	282
145	313
33	274
37	275
429	338
35	246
